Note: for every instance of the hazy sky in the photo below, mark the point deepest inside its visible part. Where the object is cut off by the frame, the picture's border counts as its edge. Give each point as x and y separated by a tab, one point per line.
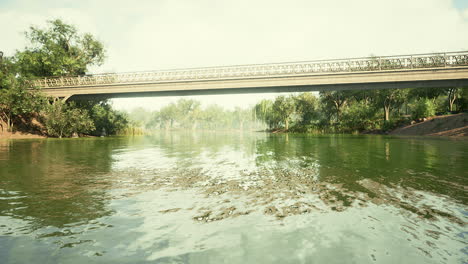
161	34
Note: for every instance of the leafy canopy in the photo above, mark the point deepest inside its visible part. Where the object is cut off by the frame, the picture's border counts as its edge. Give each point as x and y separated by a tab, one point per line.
59	50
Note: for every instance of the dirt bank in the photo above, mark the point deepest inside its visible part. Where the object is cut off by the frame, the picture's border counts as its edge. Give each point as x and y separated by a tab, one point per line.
18	135
448	125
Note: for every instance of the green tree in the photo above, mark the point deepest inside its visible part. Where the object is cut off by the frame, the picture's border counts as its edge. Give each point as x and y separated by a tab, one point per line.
359	116
168	114
241	116
284	107
59	50
63	120
307	108
424	108
214	116
335	101
154	120
17	103
463	106
453	94
188	112
390	99
429	93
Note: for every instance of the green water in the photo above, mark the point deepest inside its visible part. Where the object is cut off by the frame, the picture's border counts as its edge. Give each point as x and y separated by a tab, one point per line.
234	198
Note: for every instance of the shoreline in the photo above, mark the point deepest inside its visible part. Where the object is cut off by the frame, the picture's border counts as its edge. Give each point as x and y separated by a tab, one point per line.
450	126
19	135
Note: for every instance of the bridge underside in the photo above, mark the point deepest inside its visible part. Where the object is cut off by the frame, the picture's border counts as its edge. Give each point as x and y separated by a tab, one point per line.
422	78
283	89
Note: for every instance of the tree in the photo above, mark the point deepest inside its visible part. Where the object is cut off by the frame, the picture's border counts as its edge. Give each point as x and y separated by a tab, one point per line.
16	102
284	107
390	99
359	116
214	116
337	100
424	108
188	112
263	109
59	50
62	120
453	94
241	116
168	115
307	107
429	93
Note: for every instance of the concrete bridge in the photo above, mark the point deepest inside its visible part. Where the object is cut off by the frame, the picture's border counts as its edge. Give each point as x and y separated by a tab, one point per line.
408	71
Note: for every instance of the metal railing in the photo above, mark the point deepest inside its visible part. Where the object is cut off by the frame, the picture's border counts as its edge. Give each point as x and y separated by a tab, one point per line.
387	63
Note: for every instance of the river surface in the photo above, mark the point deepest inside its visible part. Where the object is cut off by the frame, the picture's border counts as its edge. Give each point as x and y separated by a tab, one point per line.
209	197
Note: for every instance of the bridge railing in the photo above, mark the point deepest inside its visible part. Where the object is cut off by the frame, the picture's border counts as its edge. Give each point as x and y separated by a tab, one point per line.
387	63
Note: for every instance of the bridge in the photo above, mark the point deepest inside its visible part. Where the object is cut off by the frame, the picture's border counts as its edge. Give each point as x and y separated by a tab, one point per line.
407	71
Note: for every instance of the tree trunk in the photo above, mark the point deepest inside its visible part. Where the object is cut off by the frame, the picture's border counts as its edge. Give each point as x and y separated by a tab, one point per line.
451	98
386	113
286	122
451	102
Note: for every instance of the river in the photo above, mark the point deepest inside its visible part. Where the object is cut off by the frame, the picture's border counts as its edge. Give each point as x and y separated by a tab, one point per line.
212	197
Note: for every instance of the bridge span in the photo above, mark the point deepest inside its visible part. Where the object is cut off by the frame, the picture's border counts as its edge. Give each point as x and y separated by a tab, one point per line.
408	71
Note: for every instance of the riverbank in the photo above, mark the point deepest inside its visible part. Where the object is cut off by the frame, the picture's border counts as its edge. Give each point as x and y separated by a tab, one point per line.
446	126
19	135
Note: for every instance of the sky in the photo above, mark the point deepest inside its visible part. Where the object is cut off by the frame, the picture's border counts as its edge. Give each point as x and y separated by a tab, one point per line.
163	34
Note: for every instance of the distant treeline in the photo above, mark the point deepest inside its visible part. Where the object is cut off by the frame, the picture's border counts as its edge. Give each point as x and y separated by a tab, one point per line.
329	112
188	114
360	110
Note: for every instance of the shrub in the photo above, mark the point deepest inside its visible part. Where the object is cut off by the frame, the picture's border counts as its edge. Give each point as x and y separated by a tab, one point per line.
423	108
358	117
62	120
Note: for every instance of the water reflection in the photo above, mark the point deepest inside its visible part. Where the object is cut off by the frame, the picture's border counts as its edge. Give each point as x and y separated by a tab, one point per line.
55	183
244	197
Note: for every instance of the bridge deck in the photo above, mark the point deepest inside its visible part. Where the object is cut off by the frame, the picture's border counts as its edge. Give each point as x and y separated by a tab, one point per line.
421	70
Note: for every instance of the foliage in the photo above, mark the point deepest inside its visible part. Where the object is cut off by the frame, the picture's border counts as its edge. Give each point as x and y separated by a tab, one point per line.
390	99
333	102
63	120
241	116
429	93
264	111
59	50
453	94
106	120
307	108
16	102
423	108
358	117
284	107
188	112
463	101
168	115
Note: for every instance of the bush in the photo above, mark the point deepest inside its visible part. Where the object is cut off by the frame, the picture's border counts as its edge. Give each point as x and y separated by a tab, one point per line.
423	108
358	117
62	120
